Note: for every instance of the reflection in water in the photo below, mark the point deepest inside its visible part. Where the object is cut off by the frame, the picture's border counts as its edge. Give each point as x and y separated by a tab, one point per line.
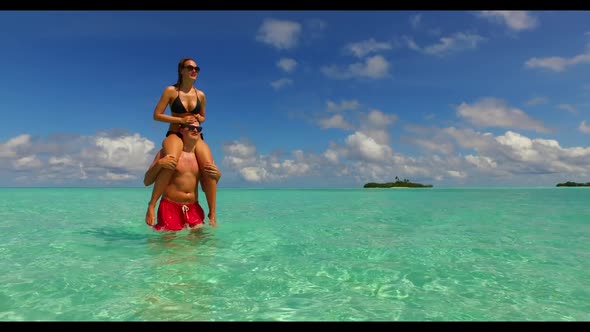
177	273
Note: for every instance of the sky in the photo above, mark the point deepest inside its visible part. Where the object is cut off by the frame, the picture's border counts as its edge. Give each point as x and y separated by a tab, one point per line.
302	99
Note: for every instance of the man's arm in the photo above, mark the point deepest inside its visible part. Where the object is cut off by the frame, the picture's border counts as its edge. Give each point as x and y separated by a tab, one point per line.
211	171
159	162
152	172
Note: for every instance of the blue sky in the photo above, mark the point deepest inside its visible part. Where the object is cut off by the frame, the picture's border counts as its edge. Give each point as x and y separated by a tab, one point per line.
301	98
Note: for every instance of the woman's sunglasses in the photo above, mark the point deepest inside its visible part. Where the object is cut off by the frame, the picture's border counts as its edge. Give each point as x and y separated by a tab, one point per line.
191	68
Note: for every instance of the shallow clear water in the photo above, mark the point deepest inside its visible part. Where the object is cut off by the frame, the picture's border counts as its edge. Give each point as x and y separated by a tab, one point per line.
299	255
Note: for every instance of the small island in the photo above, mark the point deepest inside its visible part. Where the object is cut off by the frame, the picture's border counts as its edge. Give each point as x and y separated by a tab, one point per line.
405	183
573	184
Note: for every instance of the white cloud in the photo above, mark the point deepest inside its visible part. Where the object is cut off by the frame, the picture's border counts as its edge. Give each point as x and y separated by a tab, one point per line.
83	175
415	20
27	163
412	44
378	119
240	149
374	67
253	174
362	158
126	152
343	106
492	112
373	125
434	145
279	33
468	138
457	174
71	159
9	149
482	162
558	64
296	167
281	83
513	153
65	161
331	155
110	176
243	158
287	64
539	100
371	129
515	20
584	127
334	121
568	107
366	47
457	42
537	152
432	139
365	147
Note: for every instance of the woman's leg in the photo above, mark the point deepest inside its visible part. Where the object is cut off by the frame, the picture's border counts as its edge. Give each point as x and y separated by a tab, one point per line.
208	183
172	145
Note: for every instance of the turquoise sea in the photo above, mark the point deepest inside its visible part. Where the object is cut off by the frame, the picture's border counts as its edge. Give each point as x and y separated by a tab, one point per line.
465	254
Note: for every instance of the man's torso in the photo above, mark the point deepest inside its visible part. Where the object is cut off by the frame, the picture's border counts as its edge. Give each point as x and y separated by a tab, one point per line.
183	183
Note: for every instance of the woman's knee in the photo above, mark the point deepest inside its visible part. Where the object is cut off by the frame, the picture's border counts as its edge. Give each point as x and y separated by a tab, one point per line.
172	145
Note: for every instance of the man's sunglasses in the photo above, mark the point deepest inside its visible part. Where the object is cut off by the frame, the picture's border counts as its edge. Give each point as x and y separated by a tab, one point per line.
198	129
191	68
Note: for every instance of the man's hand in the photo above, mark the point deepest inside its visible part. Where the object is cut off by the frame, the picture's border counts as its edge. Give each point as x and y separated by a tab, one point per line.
168	162
212	171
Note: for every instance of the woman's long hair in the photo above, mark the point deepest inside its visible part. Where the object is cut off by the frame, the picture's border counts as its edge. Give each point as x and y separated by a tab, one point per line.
180	66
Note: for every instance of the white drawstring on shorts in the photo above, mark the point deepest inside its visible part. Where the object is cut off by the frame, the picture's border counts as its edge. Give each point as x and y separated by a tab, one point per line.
185	211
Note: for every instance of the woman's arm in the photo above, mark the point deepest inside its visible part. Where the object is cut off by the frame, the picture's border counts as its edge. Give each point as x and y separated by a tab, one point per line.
161	107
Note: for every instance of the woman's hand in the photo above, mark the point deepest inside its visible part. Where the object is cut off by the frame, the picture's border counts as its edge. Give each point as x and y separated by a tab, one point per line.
200	118
188	120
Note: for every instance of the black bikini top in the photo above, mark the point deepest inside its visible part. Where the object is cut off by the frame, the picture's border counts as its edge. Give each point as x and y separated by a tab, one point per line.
177	106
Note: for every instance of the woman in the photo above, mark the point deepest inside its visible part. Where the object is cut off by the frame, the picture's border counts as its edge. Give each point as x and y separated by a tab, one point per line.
187	106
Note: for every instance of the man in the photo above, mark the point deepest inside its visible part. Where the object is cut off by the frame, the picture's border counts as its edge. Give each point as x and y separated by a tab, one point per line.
178	205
